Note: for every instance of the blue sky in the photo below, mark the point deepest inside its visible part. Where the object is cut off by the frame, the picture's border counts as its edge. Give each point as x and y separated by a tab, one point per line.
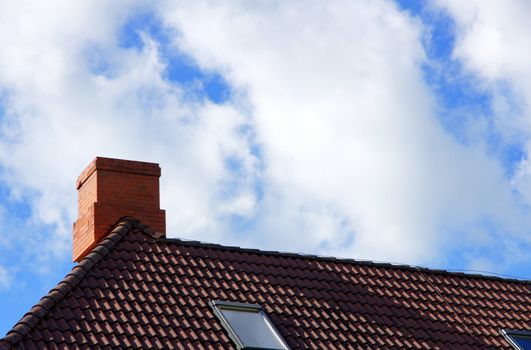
387	131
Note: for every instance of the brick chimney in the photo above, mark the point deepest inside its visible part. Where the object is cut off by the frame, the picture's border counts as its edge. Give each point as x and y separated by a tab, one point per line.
109	189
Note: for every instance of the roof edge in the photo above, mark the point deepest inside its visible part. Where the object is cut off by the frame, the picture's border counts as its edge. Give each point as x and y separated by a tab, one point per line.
72	279
353	261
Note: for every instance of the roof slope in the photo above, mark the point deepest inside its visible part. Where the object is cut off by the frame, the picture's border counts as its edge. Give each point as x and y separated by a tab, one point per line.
137	290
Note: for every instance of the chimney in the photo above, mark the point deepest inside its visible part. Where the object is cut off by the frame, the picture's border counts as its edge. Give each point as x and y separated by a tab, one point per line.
109	189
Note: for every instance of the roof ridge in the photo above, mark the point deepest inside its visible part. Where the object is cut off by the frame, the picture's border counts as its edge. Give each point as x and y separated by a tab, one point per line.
72	279
343	260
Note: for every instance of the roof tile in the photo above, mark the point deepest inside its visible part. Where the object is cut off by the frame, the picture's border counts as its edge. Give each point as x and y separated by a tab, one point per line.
137	291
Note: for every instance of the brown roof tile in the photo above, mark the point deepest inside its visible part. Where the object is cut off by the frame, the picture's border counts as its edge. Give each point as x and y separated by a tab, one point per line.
138	290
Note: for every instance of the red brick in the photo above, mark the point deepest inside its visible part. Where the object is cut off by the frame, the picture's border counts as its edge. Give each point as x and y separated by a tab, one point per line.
109	189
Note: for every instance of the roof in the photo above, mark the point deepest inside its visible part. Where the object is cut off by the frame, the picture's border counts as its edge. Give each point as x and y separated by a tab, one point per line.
137	289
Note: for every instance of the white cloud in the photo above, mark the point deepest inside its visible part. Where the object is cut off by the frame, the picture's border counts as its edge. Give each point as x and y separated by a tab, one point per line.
492	42
492	36
60	113
353	160
5	278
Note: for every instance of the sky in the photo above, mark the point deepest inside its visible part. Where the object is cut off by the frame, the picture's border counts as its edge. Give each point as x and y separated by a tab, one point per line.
380	130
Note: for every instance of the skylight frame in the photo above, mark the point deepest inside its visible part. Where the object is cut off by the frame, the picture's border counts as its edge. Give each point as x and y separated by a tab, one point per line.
509	333
218	305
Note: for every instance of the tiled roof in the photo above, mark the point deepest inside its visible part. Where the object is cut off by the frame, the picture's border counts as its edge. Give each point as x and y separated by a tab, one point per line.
138	290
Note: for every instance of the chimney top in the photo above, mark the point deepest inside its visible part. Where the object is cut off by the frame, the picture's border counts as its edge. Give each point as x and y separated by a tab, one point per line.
109	189
118	165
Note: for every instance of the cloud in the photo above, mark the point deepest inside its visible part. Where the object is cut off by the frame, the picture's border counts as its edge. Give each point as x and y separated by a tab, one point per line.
5	278
491	43
329	141
73	92
483	33
356	162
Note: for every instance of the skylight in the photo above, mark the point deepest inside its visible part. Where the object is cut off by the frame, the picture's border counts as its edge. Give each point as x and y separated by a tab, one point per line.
248	326
521	340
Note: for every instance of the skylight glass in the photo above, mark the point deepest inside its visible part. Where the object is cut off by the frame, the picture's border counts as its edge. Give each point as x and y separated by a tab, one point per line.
521	340
248	326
